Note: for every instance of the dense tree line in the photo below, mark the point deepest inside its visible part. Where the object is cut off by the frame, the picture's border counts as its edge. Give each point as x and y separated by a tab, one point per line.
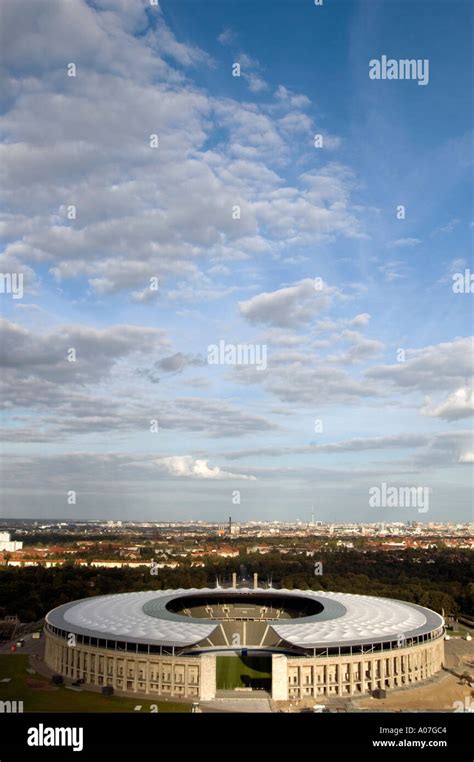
439	579
63	538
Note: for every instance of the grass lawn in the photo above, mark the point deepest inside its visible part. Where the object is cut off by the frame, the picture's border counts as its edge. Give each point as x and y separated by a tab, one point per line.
461	631
38	695
244	672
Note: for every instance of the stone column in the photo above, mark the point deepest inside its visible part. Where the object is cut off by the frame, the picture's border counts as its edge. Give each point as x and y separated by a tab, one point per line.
339	679
279	677
74	664
147	675
186	679
382	672
207	677
160	676
370	670
392	671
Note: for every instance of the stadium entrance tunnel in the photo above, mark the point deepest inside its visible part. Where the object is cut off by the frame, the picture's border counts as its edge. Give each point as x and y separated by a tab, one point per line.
244	672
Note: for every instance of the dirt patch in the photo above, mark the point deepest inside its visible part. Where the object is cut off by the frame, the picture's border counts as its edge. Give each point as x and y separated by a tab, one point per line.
438	695
37	684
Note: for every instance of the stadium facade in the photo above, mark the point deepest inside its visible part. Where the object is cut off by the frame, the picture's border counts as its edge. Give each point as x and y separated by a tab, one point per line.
167	643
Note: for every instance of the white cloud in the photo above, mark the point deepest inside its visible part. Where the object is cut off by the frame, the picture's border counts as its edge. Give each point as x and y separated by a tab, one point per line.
448	228
285	95
394	270
44	36
297	383
360	320
187	466
277	338
250	71
406	242
362	349
403	441
256	83
27	356
459	404
441	367
227	36
184	54
144	213
290	306
296	122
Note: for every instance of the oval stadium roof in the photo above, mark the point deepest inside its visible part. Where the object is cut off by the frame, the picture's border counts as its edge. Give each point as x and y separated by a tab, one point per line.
145	619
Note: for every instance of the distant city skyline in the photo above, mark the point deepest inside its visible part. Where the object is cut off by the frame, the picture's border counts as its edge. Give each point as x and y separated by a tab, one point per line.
246	280
49	522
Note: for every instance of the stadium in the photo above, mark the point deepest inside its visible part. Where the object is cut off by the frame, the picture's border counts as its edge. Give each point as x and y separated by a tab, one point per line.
202	643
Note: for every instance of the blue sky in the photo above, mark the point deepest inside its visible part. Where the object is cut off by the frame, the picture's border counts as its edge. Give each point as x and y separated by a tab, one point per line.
380	356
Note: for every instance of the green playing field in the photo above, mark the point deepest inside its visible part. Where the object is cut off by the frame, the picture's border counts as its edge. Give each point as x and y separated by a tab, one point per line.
244	672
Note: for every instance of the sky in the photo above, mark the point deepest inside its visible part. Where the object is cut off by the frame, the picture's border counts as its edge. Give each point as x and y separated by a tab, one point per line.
244	262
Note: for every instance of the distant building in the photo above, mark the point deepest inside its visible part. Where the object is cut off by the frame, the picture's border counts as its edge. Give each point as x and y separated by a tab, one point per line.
9	545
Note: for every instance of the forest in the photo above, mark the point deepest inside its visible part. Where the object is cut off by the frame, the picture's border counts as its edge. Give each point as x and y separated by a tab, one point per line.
438	579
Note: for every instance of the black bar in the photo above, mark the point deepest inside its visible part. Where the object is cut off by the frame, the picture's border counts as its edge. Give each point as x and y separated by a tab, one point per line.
125	734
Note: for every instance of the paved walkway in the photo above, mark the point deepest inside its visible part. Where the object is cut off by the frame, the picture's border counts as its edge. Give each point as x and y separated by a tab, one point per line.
252	705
